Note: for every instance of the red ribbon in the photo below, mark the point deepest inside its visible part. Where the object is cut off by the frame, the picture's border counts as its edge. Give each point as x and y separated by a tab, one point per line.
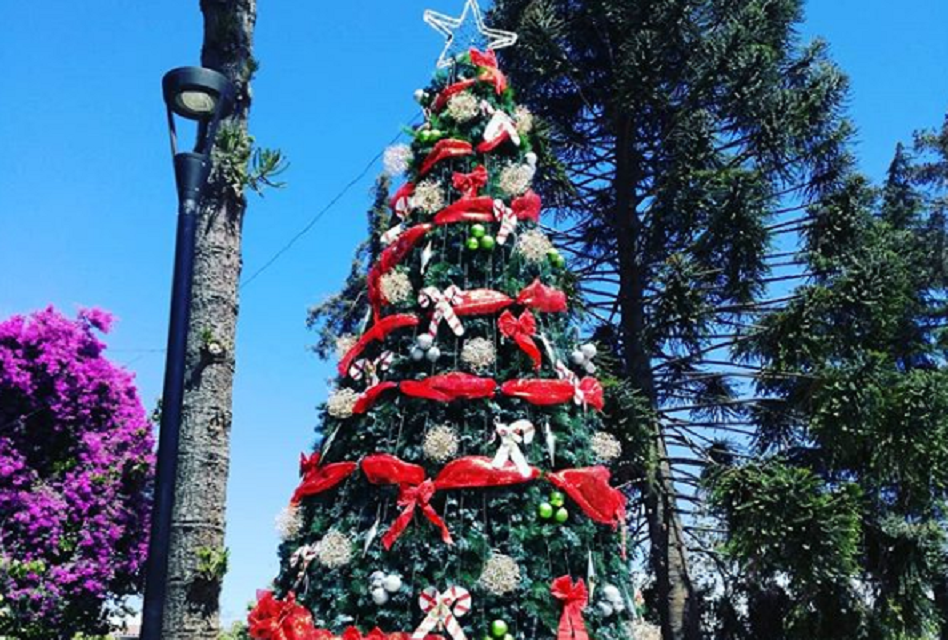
527	206
450	386
521	330
400	202
470	183
389	259
489	71
542	298
444	149
478	471
575	598
414	492
481	209
481	302
539	392
316	479
589	488
450	91
273	619
370	395
379	331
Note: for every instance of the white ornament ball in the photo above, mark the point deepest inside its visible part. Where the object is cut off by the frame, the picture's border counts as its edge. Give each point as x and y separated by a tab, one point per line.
379	596
611	593
531	159
425	341
419	95
618	606
433	354
417	354
604	608
377	578
392	583
589	350
590	368
577	357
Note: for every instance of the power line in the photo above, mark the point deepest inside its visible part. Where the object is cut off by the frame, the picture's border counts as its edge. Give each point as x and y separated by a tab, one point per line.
319	214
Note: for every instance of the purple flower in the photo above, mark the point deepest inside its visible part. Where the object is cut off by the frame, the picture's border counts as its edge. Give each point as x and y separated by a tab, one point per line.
76	466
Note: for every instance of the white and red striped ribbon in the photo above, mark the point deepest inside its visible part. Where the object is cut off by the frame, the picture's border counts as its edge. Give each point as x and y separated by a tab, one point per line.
392	234
443	304
403	206
511	437
565	373
498	124
443	610
370	369
507	219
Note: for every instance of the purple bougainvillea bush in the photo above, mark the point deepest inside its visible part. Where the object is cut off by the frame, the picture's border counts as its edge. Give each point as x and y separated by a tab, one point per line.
75	475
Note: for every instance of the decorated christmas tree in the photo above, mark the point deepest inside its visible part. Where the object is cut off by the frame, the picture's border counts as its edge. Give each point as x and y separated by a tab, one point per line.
462	487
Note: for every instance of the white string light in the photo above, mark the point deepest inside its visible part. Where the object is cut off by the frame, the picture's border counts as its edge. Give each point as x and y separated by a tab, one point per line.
450	28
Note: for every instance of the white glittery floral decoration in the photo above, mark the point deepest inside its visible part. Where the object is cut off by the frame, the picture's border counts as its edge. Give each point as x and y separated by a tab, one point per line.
428	197
478	353
396	159
515	179
344	343
534	246
606	446
288	522
396	287
463	107
641	630
500	575
441	444
341	403
335	550
524	120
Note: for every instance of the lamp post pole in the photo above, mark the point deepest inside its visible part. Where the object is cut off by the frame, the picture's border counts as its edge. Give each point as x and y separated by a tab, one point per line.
191	173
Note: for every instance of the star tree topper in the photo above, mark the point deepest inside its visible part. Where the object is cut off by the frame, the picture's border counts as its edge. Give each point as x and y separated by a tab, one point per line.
460	37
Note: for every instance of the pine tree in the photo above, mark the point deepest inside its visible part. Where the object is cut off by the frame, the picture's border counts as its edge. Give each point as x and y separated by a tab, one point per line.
856	439
464	460
692	135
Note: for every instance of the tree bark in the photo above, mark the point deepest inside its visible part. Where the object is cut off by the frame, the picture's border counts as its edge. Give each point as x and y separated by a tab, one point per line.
677	603
192	609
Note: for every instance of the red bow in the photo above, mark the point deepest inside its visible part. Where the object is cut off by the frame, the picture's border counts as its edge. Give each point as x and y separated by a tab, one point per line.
317	479
575	598
542	298
414	491
539	392
489	71
470	183
379	331
527	206
521	330
444	149
589	488
273	619
447	387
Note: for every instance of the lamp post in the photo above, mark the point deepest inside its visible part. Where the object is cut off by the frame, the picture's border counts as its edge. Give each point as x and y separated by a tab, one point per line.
205	97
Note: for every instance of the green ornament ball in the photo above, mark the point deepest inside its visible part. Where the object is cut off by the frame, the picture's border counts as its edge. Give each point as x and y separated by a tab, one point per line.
472	243
498	628
558	261
557	499
562	515
487	243
545	510
478	231
508	636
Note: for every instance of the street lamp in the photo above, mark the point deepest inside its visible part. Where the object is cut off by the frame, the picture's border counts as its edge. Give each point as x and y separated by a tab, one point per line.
205	97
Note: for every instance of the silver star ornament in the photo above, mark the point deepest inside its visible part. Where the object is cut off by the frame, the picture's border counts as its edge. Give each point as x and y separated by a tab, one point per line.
459	39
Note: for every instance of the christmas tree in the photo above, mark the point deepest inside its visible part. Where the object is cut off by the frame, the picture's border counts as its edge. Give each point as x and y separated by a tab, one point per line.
462	488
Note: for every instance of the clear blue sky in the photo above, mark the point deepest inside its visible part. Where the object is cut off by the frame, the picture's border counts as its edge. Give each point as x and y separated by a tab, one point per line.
87	201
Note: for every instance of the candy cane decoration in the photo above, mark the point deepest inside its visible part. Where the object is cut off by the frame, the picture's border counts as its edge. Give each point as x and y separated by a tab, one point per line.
443	303
511	437
565	373
443	610
507	219
499	128
392	234
370	369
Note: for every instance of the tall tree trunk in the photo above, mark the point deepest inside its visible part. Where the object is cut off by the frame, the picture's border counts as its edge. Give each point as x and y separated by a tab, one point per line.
677	603
192	609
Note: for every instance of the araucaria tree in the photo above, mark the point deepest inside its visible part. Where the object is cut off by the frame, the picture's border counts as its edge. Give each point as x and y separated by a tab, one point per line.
75	469
692	135
463	485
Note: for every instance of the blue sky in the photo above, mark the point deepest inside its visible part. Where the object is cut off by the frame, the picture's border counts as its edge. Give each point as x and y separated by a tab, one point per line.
87	204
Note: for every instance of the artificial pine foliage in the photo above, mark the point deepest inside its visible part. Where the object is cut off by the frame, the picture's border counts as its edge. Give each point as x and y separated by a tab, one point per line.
420	396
